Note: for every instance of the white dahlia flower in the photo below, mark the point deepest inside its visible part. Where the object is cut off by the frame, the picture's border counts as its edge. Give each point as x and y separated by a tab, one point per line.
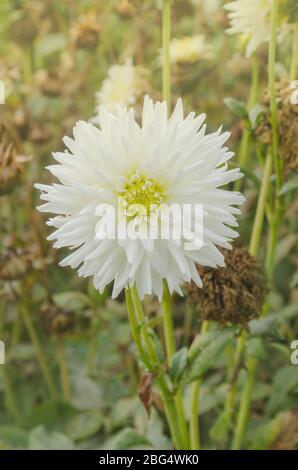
189	49
126	165
252	19
124	85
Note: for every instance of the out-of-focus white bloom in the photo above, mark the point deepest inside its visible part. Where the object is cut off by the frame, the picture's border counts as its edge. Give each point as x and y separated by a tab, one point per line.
124	85
162	161
189	49
252	19
209	7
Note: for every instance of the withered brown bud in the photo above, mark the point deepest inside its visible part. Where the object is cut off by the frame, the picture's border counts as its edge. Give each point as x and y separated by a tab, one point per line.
10	166
39	134
235	293
85	33
48	82
125	9
287	123
15	263
55	320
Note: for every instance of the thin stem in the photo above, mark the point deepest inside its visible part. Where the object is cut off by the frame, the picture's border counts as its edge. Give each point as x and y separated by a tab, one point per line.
252	363
168	322
246	135
294	61
195	441
194	430
171	412
10	399
64	376
135	328
261	206
254	91
142	324
166	36
245	404
170	350
273	104
253	249
135	313
39	351
229	405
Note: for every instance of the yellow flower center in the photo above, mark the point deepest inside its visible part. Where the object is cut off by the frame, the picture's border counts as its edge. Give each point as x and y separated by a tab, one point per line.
141	196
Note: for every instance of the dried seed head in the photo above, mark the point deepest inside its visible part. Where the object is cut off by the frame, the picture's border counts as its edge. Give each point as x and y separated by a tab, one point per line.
288	123
48	82
10	166
234	293
15	263
125	8
85	33
55	320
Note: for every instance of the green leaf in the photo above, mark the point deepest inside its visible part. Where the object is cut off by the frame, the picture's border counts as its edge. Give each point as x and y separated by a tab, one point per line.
284	389
209	354
220	429
294	280
127	439
12	437
178	365
237	107
72	301
41	439
263	326
255	348
86	394
199	343
268	325
84	425
260	436
54	414
289	186
50	44
255	113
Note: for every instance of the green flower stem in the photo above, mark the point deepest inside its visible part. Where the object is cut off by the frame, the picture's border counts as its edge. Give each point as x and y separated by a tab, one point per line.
167	314
168	322
229	405
253	250
135	328
170	350
64	376
145	333
148	356
242	418
294	62
252	363
273	104
195	441
10	400
39	351
261	207
166	36
246	135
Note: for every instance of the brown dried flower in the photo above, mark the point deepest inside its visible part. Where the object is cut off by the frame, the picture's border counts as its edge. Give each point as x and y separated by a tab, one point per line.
48	82
234	293
15	263
55	320
10	166
288	123
85	33
125	8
